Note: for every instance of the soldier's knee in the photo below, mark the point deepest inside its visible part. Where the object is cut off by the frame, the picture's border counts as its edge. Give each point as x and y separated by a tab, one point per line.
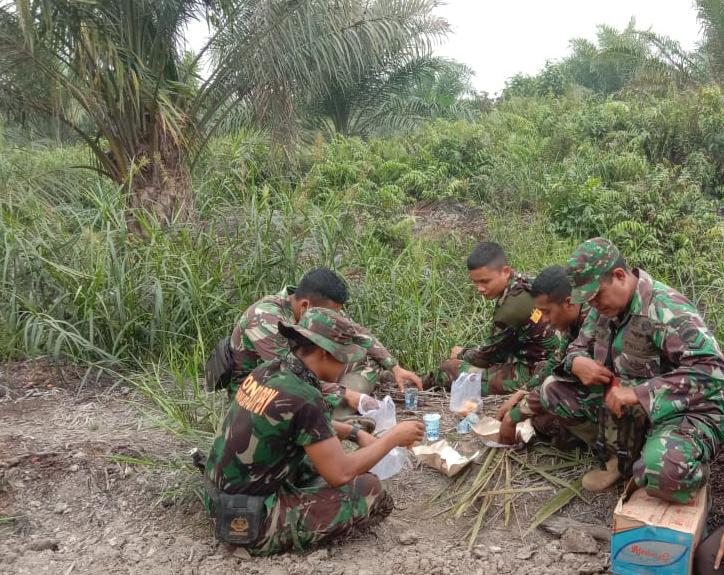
367	485
551	393
668	474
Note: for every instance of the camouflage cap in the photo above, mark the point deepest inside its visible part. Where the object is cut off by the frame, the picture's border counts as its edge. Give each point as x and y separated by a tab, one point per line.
588	263
330	331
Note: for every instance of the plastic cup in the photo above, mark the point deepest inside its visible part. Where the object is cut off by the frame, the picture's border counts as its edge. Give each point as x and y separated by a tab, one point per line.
432	426
464	426
411	399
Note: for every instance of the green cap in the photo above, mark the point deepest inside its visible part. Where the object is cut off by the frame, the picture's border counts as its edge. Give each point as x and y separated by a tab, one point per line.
330	331
588	263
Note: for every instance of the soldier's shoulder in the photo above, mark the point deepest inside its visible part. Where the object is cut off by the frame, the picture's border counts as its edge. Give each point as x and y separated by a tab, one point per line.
668	303
288	382
515	310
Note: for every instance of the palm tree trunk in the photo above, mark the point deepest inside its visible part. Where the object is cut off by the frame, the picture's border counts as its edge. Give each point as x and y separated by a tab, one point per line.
160	186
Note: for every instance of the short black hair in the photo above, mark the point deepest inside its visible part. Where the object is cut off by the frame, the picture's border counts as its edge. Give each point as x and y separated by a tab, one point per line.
322	284
487	255
552	282
619	263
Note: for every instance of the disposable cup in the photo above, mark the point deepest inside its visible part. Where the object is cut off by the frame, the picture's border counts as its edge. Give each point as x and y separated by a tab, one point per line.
432	426
411	399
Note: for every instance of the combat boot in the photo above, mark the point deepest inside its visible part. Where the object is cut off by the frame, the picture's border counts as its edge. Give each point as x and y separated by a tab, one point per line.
602	479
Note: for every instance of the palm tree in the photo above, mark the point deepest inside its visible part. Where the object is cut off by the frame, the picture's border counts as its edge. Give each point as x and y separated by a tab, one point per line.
711	19
145	116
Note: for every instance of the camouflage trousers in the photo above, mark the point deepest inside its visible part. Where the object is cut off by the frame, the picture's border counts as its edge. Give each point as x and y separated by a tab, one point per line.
674	461
498	379
300	517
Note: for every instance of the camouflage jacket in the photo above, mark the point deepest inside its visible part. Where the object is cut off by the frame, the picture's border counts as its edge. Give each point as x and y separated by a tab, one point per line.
277	411
256	338
518	329
555	359
661	347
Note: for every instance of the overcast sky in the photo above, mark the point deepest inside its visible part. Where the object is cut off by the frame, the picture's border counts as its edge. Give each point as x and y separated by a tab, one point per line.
499	38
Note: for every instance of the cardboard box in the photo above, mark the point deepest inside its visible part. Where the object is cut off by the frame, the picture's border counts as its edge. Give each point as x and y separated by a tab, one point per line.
653	536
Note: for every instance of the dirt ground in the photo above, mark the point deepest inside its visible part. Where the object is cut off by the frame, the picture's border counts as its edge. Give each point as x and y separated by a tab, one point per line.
81	502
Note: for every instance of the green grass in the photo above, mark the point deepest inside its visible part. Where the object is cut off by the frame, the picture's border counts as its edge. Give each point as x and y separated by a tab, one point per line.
76	285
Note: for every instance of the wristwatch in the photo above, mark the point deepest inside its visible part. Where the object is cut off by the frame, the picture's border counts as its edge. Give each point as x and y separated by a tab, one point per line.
353	435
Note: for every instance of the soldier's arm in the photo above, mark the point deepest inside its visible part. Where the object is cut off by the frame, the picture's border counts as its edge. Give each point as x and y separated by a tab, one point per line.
263	332
339	468
696	376
495	349
582	346
375	350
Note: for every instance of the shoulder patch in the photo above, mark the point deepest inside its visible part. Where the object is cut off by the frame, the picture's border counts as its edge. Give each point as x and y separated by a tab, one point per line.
536	315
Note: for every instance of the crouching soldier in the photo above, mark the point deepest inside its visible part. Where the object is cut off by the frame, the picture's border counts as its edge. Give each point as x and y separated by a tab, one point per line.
255	339
262	491
551	292
642	348
520	337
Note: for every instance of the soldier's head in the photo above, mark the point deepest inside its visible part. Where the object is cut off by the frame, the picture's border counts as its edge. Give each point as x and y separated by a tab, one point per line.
320	287
325	341
551	293
599	275
489	270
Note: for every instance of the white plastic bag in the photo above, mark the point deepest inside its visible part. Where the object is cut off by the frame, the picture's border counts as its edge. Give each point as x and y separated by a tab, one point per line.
385	416
465	390
391	464
383	412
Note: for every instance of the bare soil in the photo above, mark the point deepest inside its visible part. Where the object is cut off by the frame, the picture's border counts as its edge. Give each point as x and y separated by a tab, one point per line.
75	498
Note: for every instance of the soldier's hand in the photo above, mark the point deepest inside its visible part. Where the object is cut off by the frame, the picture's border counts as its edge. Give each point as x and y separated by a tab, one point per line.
408	432
507	430
455	351
590	372
619	397
403	375
719	554
509	404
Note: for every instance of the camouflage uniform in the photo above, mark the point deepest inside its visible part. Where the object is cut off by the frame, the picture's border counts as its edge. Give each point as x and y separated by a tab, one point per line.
255	339
277	411
518	341
662	348
530	405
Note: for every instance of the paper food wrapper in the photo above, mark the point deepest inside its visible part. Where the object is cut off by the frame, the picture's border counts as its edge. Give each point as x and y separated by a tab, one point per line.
441	456
488	428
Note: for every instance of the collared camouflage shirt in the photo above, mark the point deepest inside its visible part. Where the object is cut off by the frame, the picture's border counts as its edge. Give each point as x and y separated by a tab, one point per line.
518	329
256	337
276	412
661	347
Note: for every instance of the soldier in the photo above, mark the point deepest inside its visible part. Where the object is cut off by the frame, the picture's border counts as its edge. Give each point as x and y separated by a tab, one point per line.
255	339
649	339
519	339
262	491
551	292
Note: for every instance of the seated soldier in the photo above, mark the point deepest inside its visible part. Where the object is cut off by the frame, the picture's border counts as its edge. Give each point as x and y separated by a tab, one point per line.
644	351
255	339
520	337
258	478
551	293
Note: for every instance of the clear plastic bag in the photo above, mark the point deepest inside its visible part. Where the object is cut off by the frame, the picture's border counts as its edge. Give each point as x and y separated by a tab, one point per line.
385	416
465	393
391	464
383	412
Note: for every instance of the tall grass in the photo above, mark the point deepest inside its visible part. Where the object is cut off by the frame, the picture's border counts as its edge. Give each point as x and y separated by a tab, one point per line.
75	284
